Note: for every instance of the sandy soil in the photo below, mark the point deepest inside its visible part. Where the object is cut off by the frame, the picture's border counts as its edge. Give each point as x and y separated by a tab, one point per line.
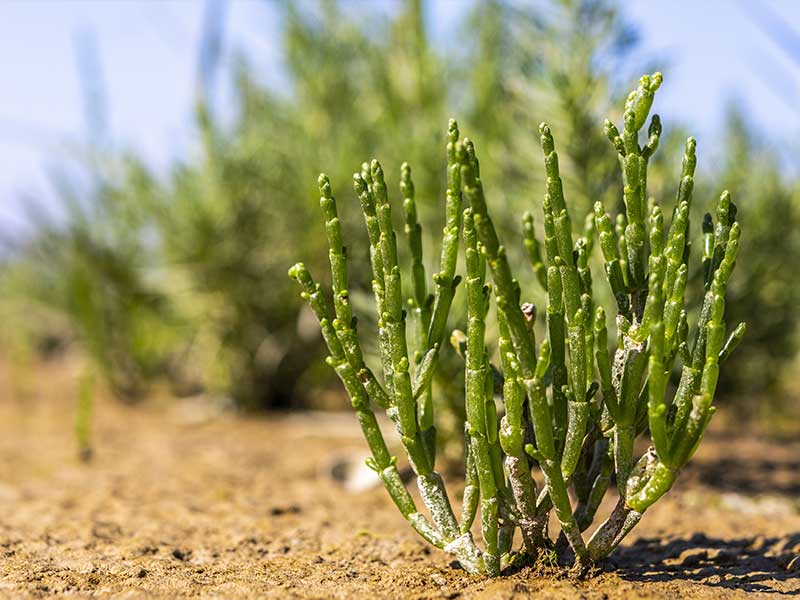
180	501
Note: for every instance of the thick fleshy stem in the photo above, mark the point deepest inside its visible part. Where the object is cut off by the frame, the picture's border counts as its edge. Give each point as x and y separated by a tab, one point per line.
691	376
557	337
578	407
507	301
677	238
693	400
613	264
445	279
363	188
404	407
534	251
479	415
512	437
393	330
345	323
563	225
420	304
633	161
381	461
472	490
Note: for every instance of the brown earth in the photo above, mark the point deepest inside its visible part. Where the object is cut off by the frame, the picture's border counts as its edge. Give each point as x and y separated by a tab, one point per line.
181	500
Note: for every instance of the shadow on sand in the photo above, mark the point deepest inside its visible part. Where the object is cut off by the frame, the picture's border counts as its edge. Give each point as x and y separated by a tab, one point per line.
746	564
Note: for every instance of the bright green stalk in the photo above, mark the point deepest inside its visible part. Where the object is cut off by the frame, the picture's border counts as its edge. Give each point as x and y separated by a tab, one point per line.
555	328
446	280
362	186
613	265
364	193
578	407
404	407
657	380
508	302
673	311
392	322
534	252
512	437
381	461
726	215
562	222
420	300
733	341
478	415
653	133
676	241
420	303
472	490
629	366
511	430
550	241
634	175
555	323
344	323
587	307
604	364
622	248
506	288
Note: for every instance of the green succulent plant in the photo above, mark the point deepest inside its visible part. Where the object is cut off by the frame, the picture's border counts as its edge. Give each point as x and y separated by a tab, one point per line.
570	408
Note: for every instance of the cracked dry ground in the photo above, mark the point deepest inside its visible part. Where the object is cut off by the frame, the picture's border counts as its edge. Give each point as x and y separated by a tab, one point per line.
181	501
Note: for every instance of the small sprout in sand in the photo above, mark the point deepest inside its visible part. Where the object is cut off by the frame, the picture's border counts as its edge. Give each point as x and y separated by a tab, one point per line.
83	416
573	408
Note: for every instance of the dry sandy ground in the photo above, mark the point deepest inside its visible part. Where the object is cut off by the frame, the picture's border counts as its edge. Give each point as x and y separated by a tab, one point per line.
183	503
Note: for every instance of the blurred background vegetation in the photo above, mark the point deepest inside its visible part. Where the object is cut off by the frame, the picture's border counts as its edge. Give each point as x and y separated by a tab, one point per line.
177	279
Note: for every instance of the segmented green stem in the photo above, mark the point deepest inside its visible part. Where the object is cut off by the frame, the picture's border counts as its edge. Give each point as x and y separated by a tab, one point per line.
512	436
508	302
480	415
445	279
381	461
425	358
345	323
534	251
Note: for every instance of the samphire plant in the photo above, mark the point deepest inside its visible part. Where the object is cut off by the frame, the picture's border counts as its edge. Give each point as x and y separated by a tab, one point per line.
572	410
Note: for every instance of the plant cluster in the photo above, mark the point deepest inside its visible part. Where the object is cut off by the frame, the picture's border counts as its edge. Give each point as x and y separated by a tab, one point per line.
571	409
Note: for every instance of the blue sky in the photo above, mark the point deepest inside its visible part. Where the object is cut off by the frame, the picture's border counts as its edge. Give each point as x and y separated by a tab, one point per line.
715	50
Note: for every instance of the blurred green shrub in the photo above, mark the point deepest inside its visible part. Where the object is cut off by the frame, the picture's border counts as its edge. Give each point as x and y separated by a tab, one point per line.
87	276
181	276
